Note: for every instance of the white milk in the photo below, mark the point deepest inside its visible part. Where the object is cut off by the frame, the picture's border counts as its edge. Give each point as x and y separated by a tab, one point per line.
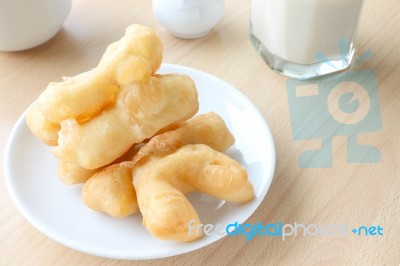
295	30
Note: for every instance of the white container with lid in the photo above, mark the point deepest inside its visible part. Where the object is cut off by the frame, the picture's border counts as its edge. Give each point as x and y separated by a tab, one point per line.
188	19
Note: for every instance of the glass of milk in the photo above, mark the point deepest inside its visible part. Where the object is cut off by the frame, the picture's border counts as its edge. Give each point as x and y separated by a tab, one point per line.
305	38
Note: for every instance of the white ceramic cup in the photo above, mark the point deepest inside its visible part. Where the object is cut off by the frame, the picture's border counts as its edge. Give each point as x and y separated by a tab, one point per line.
27	23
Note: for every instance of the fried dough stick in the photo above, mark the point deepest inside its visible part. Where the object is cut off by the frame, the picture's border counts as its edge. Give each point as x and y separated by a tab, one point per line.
133	58
112	191
162	182
40	126
71	173
141	110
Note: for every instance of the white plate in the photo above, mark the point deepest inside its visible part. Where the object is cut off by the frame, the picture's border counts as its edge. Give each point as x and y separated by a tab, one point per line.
58	211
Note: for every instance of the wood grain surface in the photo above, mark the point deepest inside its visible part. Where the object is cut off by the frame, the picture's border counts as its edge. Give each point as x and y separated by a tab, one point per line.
347	193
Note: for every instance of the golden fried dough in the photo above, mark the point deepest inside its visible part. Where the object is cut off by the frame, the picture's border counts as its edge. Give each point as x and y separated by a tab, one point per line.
161	182
207	129
111	191
80	97
71	173
141	109
42	128
133	58
103	123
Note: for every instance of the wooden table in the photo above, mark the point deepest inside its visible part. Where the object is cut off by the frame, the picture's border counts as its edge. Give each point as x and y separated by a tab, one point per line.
355	194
